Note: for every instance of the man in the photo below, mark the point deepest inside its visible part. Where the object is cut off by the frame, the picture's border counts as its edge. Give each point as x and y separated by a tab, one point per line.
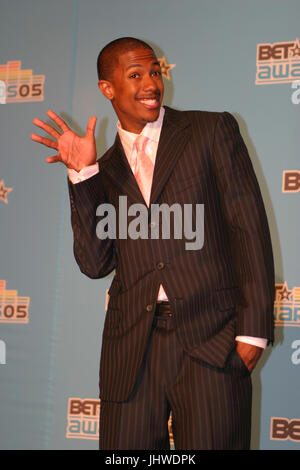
184	328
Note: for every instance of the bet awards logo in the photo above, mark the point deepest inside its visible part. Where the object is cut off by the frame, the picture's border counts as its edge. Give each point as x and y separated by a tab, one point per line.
278	62
83	419
283	429
13	309
287	305
291	181
17	85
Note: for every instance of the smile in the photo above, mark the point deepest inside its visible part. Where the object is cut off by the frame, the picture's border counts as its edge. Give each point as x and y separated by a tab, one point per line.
150	103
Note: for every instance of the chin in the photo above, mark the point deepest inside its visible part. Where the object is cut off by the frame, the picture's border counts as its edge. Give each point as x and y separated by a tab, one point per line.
152	115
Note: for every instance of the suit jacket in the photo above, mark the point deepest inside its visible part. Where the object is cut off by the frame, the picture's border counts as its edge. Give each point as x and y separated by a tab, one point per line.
220	291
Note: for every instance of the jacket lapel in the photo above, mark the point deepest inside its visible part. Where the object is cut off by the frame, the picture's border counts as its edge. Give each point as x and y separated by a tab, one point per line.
118	168
174	136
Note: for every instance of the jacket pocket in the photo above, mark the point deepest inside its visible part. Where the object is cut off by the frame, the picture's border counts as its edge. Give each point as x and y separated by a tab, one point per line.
236	365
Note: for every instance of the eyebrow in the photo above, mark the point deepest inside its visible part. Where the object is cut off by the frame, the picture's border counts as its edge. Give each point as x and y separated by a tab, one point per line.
139	65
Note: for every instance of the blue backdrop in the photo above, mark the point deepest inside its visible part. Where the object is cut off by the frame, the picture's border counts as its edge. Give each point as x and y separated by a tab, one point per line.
241	56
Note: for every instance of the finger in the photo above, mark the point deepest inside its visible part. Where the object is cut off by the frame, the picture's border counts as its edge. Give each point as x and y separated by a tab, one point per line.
54	159
46	142
91	125
46	128
59	121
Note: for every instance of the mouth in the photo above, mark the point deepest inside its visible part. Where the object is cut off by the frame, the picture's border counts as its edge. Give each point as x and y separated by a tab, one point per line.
150	103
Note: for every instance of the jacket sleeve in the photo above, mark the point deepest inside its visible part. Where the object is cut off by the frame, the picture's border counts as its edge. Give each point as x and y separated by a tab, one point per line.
248	229
96	258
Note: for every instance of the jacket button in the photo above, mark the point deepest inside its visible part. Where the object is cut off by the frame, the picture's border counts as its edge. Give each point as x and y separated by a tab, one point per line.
149	308
160	265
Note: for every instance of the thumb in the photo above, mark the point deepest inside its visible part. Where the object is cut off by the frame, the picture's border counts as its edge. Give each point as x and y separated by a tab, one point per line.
91	125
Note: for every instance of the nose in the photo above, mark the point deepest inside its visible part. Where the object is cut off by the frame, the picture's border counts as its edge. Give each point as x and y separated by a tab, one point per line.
149	83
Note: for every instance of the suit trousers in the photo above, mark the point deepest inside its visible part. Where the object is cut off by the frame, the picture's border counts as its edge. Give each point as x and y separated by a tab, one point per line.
211	407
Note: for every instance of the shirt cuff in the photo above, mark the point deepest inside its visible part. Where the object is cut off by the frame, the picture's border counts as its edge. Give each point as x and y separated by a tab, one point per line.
260	342
83	174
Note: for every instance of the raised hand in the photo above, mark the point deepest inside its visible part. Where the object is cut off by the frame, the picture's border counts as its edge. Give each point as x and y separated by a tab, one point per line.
74	151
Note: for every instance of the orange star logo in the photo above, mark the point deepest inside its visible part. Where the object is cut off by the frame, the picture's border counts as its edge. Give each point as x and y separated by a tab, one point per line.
165	67
4	191
296	49
284	293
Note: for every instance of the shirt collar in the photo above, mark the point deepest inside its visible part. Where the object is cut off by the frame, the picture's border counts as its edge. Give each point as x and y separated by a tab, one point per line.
151	130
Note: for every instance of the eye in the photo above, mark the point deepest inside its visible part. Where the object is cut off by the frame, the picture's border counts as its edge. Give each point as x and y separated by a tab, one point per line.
134	75
156	73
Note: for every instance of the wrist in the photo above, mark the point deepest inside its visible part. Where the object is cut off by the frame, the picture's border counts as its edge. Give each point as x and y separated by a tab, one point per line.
83	174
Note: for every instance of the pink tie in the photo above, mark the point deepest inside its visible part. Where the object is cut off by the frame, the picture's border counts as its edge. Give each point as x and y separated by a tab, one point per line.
144	168
143	174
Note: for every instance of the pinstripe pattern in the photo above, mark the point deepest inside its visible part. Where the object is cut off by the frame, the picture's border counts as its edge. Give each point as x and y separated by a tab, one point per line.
211	408
224	289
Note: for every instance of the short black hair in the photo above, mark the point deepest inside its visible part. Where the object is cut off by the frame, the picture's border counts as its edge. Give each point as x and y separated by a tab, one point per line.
109	55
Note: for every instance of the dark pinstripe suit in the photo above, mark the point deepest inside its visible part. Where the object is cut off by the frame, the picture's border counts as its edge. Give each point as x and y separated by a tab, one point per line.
223	290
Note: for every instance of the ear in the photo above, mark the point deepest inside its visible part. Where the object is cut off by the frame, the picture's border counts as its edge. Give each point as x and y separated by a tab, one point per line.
107	89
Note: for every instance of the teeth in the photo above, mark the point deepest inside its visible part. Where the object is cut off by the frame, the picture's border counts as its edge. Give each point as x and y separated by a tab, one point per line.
150	101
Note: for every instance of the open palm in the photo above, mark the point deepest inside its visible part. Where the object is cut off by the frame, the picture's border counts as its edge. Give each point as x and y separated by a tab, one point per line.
74	151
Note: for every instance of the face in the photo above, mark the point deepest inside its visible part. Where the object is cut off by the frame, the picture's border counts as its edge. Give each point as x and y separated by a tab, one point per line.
136	89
